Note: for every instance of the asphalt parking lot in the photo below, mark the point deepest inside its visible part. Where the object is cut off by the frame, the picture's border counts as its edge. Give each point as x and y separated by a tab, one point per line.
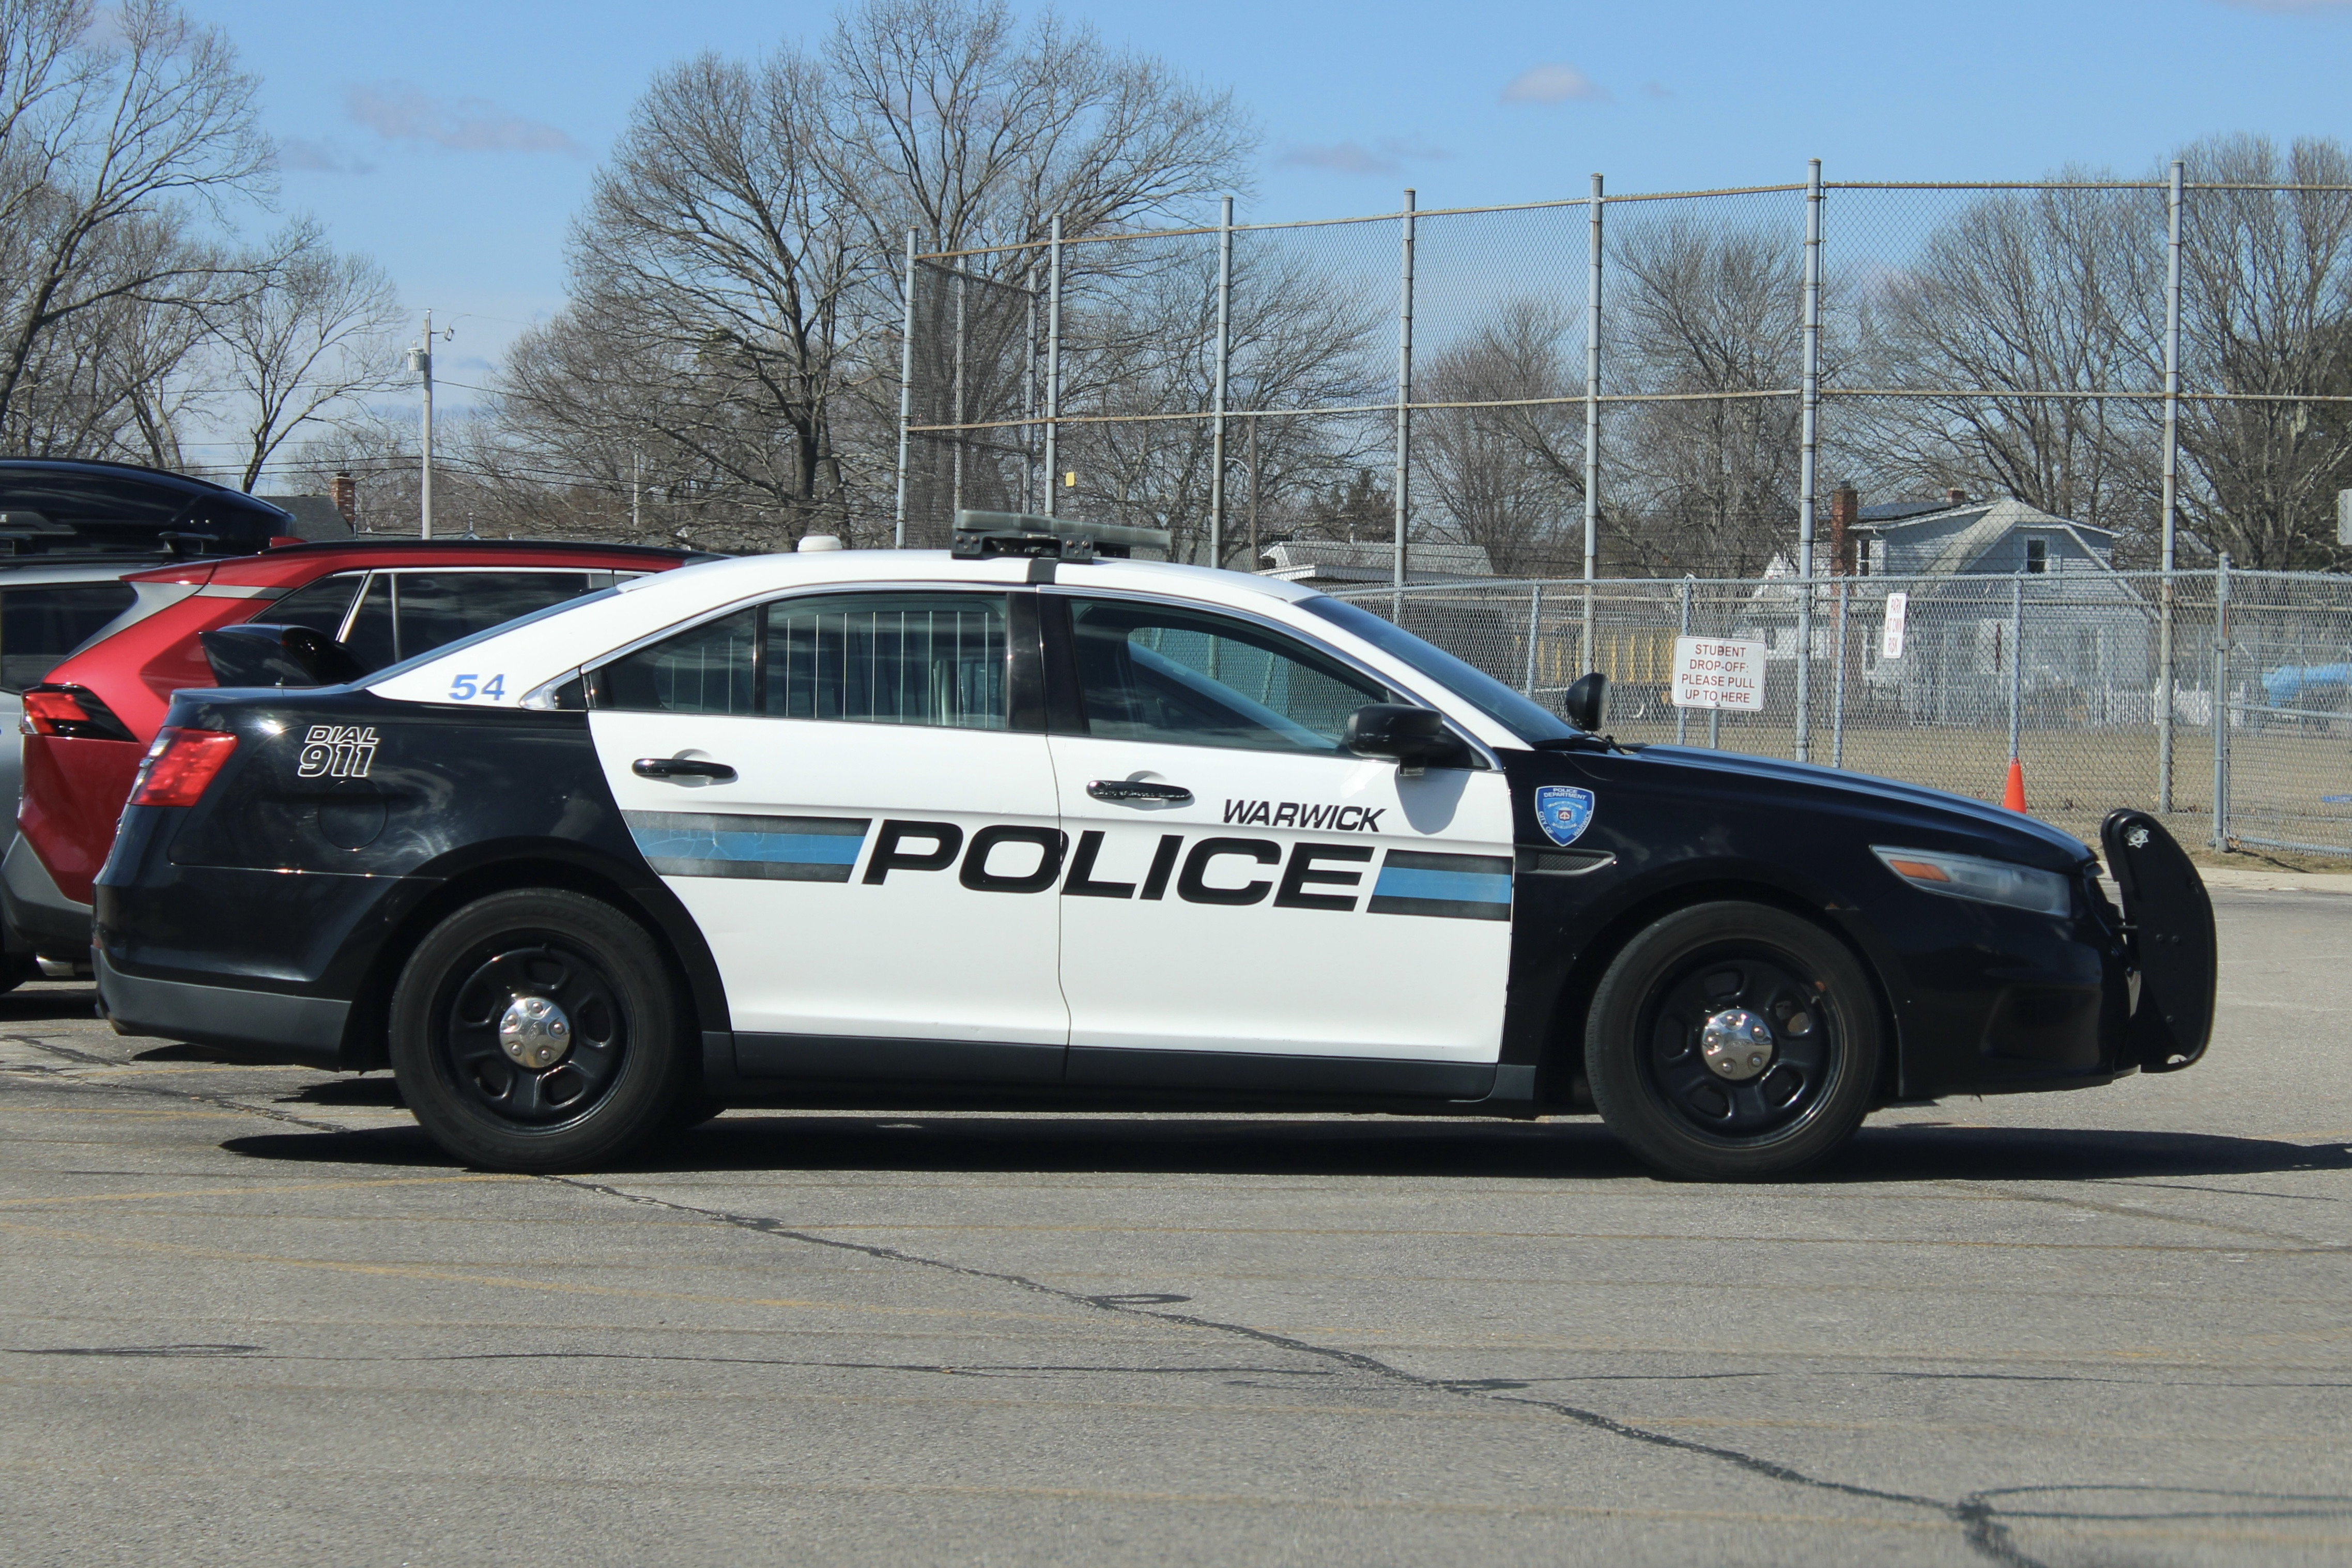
253	1316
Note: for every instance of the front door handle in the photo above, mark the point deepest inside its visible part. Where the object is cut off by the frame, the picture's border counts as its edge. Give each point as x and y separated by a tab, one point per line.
1139	789
682	768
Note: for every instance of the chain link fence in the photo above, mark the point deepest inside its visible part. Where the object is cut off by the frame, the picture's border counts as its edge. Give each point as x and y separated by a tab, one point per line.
1665	383
2060	669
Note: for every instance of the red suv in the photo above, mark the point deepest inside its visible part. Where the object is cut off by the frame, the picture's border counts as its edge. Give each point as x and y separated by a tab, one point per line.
87	726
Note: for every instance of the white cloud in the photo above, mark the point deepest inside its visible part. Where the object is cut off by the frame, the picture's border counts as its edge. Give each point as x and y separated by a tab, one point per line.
1386	156
324	155
1555	82
402	111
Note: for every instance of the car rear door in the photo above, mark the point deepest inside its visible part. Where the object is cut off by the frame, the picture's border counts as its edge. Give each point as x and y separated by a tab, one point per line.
851	793
1248	904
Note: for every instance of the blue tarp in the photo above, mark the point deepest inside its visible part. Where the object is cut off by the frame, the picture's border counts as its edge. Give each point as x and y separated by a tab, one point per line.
2287	682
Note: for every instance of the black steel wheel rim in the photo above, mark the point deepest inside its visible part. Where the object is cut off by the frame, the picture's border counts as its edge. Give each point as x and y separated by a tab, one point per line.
1808	1040
475	1061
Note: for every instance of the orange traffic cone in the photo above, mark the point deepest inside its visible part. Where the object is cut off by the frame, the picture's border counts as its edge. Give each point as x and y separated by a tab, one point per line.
2014	796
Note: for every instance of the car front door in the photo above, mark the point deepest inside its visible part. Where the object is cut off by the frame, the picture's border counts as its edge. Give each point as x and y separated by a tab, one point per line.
1248	904
851	793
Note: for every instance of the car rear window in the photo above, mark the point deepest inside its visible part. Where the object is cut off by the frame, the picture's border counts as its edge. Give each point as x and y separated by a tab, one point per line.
40	625
404	614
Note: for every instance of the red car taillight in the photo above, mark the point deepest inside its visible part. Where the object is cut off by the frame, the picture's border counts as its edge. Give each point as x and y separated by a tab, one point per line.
71	712
179	767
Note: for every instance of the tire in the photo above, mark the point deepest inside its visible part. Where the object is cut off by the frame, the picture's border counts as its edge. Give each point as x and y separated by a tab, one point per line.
1764	1106
616	1033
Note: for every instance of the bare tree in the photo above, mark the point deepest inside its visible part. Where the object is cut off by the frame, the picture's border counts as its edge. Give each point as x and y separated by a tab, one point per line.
1505	470
2033	293
1700	483
738	270
109	137
2267	312
310	338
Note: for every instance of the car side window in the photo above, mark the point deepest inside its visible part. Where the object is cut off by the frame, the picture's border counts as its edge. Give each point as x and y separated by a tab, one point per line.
709	668
888	659
430	608
323	605
39	625
1158	672
874	658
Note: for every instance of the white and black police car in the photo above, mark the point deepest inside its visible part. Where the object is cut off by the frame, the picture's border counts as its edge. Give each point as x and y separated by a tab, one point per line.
1016	825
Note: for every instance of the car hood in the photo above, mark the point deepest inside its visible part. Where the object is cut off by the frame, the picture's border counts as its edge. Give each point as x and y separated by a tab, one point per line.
1979	815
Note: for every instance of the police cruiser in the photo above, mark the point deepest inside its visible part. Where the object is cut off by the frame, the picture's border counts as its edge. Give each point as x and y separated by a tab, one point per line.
1021	824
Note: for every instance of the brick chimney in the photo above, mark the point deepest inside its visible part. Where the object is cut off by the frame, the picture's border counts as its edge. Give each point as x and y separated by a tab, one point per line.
1845	511
347	499
1956	498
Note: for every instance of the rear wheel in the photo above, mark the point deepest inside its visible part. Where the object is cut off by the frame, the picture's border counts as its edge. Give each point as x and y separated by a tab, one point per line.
1733	1040
538	1030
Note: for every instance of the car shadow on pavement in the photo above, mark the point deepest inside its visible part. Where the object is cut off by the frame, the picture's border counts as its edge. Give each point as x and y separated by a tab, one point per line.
1273	1146
37	1004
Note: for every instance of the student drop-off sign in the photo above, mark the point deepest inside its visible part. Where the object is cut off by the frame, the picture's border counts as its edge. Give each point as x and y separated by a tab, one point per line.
1712	673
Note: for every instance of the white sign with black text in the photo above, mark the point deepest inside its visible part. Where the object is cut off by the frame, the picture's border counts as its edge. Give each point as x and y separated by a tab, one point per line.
1712	673
1898	605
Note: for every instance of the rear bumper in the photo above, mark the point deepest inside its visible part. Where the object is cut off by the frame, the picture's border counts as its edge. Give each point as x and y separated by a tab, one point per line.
308	1029
38	915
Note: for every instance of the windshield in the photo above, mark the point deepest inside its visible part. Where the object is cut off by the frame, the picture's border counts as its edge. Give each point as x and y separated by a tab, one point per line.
1529	721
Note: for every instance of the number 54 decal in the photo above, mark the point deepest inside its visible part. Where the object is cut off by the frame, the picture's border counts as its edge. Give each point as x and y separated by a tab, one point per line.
465	687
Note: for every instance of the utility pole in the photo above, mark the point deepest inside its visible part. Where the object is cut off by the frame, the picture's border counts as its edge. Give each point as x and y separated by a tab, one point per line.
636	483
420	360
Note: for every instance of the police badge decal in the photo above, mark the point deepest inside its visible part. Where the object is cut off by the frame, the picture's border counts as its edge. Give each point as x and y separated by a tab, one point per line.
1563	811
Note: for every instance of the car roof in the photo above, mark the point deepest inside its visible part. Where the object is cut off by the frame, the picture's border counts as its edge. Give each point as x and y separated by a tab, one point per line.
299	562
528	653
164	477
32	571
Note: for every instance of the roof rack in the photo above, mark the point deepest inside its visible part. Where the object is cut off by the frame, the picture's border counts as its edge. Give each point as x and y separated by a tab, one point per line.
984	533
408	541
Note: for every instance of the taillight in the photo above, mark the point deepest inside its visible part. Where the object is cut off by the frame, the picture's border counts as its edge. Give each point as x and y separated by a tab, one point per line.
72	712
179	767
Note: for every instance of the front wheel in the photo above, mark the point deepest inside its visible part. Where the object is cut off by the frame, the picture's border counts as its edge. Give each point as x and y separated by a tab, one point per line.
538	1030
1733	1040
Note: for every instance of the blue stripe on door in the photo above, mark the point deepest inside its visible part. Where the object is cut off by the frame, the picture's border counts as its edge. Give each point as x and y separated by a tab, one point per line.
774	848
1453	886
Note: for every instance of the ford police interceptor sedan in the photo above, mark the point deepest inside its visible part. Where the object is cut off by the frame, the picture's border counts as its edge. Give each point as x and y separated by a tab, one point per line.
899	828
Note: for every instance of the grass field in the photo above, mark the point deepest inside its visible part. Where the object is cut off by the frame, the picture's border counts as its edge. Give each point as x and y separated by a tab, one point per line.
2075	777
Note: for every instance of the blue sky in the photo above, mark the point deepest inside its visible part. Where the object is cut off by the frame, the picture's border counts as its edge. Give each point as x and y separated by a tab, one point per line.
454	141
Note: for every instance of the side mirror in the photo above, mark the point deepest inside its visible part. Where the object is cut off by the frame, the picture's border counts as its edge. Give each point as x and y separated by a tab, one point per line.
263	654
1586	706
1410	737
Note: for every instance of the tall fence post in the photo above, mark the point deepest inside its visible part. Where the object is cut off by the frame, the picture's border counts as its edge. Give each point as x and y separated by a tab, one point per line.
1591	424
1029	390
2220	707
1808	460
1404	478
1225	352
2016	655
905	395
1535	633
1054	368
1682	624
2165	594
956	402
1837	703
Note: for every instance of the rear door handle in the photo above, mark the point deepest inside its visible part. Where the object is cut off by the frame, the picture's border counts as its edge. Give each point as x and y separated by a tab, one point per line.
681	768
1139	789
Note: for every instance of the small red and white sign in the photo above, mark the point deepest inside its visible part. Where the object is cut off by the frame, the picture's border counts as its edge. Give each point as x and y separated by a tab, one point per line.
1898	606
1712	673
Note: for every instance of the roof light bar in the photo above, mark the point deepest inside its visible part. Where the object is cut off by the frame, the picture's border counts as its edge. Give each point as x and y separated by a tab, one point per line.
981	533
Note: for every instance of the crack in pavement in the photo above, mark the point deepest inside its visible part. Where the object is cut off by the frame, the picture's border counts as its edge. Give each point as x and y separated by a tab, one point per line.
1975	1515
